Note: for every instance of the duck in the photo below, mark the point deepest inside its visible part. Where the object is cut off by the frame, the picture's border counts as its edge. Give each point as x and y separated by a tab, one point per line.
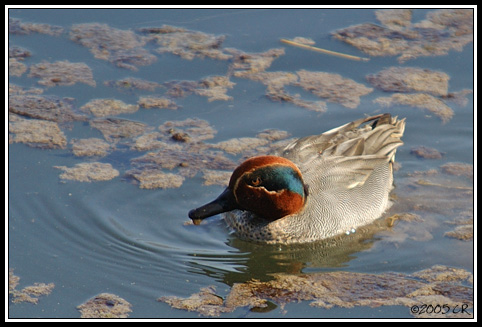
316	187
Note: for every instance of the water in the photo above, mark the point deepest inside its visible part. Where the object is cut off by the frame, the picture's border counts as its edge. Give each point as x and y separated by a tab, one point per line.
112	236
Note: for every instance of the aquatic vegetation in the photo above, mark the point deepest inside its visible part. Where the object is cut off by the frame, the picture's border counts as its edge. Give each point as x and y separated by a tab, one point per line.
215	88
157	102
64	73
419	100
105	305
333	87
153	177
194	130
15	57
45	107
243	63
458	169
253	66
117	129
90	147
15	67
239	145
16	26
18	52
123	48
36	133
30	294
464	226
216	177
431	85
18	90
426	152
398	19
88	172
180	146
410	79
441	31
131	84
212	87
108	107
448	191
188	163
185	43
438	284
329	86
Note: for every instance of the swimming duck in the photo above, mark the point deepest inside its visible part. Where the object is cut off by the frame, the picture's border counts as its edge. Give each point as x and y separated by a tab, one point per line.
314	188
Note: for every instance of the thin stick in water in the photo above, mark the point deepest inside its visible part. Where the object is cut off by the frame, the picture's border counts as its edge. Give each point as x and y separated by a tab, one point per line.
332	53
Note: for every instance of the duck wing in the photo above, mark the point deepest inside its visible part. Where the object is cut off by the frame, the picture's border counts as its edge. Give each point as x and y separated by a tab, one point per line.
376	135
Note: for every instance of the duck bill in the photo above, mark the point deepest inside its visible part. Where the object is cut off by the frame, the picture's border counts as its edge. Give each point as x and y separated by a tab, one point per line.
225	202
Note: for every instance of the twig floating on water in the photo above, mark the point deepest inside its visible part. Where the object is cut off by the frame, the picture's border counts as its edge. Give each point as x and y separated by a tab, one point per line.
329	52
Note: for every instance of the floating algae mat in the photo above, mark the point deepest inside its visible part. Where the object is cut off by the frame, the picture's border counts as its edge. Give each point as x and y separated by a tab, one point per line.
442	30
105	305
30	294
435	285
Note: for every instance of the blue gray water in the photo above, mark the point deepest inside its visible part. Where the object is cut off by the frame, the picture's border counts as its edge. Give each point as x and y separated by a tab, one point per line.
114	237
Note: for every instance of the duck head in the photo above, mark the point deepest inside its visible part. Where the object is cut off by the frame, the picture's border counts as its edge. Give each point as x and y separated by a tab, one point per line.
269	186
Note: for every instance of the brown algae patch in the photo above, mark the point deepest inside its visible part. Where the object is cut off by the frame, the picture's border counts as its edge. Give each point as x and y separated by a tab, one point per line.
215	88
152	141
244	64
239	145
152	177
36	133
439	284
419	100
117	129
432	87
45	107
253	66
212	87
30	294
105	305
149	102
206	302
188	163
185	43
108	107
426	152
131	84
196	130
15	67
124	48
328	86
18	90
63	73
395	19
88	172
16	26
464	226
90	147
435	192
441	31
333	87
410	79
179	146
216	177
458	169
15	57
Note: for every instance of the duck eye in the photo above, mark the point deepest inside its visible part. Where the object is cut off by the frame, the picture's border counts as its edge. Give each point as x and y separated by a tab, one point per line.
256	182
